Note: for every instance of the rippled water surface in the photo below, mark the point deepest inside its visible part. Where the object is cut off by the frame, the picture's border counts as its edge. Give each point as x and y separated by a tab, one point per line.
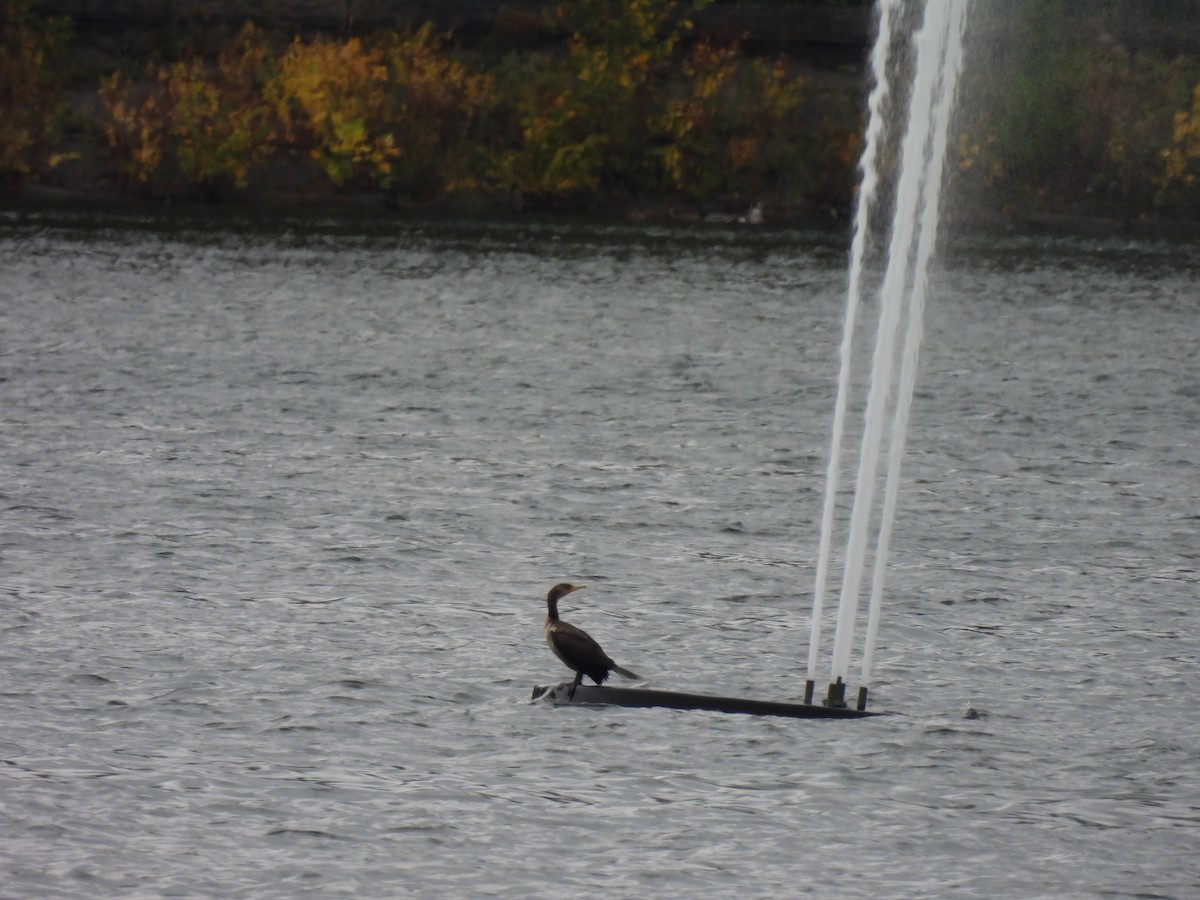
281	508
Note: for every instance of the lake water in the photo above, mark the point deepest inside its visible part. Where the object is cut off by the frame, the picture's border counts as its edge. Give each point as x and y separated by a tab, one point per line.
282	505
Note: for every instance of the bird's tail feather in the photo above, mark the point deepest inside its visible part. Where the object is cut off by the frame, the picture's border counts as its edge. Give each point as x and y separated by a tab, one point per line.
625	673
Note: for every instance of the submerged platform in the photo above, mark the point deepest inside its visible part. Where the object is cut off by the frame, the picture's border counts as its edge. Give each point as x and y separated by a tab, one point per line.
646	697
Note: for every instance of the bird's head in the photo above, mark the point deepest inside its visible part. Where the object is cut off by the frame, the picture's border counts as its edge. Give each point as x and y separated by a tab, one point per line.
561	590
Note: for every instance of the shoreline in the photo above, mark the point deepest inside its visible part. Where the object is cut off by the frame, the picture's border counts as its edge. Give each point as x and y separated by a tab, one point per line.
265	206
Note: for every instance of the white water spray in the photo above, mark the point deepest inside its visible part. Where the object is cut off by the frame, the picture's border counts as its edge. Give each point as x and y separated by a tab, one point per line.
902	299
868	190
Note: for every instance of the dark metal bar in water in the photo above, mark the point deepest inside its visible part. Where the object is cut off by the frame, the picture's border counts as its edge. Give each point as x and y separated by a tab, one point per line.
644	697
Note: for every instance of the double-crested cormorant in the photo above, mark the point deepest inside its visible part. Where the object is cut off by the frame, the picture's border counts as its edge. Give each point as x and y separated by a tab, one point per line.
574	646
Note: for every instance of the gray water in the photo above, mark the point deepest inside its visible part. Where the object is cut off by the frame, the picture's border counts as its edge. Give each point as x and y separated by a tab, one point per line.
280	509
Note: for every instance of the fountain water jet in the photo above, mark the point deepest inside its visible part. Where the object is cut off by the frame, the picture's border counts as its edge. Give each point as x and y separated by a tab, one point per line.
902	298
939	55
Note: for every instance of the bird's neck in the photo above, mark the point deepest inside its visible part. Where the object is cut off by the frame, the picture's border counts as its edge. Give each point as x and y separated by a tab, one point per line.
551	610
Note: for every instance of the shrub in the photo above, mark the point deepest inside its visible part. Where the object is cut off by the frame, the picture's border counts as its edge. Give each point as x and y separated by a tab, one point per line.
1180	165
332	102
138	123
30	89
1075	118
435	104
220	126
694	144
735	129
207	120
583	118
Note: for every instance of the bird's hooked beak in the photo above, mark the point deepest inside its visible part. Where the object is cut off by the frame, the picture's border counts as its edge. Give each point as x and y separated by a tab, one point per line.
576	587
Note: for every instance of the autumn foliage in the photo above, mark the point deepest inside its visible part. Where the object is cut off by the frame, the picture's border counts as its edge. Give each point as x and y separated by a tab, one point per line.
1071	118
622	110
30	89
628	104
203	122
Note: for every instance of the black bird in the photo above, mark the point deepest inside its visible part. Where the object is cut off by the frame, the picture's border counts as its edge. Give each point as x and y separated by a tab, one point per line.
574	646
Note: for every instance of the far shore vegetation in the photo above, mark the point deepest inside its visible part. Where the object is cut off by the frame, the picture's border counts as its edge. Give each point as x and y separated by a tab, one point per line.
632	107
